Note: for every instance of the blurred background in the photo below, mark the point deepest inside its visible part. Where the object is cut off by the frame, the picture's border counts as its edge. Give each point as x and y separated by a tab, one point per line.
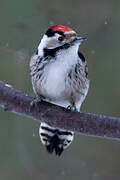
22	156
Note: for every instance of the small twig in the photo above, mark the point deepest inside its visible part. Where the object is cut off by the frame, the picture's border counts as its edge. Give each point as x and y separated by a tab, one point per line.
84	123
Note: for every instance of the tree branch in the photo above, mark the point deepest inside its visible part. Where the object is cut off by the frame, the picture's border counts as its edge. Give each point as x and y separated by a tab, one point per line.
84	123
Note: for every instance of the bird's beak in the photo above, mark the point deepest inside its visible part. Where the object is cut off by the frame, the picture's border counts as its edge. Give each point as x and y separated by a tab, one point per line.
80	39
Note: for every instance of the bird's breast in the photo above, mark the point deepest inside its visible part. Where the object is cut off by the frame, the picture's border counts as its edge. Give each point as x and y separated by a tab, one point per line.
54	82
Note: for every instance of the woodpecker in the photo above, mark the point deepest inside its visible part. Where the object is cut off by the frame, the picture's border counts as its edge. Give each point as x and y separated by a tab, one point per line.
59	75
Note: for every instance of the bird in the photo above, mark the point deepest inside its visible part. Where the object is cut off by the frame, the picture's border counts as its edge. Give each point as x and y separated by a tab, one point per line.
59	75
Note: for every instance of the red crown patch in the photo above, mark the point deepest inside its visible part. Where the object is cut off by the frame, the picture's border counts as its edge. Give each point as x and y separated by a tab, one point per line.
61	28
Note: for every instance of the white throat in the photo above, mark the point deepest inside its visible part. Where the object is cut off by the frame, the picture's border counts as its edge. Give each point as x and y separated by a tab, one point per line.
68	57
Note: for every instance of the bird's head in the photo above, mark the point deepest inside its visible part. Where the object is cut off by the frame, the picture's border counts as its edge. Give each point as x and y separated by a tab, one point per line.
58	37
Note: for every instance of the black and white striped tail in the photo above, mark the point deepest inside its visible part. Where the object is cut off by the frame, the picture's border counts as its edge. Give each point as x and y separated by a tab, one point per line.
55	139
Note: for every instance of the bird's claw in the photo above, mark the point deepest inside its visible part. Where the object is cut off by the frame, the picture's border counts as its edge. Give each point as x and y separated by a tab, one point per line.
72	108
35	102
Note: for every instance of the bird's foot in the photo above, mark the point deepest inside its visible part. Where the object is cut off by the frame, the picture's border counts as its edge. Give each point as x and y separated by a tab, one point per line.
72	108
35	102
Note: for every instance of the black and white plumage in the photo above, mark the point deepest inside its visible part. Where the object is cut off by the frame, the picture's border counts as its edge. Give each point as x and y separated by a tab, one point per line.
55	139
59	75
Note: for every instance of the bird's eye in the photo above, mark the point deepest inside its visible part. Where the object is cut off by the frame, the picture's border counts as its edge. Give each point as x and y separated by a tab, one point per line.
61	38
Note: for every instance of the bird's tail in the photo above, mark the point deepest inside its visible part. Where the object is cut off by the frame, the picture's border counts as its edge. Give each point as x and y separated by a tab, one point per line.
55	139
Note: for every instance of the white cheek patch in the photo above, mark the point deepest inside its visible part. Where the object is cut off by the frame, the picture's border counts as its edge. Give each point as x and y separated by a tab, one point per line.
46	41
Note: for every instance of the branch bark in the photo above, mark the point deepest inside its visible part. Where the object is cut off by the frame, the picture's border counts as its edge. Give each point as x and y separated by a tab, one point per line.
84	123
